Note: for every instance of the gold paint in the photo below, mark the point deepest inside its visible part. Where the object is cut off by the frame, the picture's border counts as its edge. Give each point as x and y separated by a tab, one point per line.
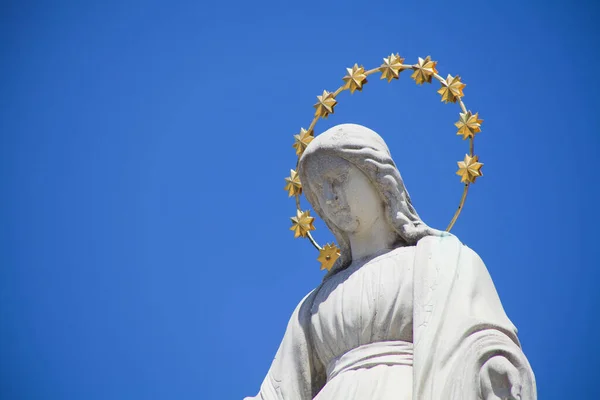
391	67
292	184
325	104
328	256
313	123
302	223
469	169
452	89
462	105
339	90
302	140
463	198
314	243
355	79
424	70
468	125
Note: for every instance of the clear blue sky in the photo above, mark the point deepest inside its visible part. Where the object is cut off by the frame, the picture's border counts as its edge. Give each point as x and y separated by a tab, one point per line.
145	250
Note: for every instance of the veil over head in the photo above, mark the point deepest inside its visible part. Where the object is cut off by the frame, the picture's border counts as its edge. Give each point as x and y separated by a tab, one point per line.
365	150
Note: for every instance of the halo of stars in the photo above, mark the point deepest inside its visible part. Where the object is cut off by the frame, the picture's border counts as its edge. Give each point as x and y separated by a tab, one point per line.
451	91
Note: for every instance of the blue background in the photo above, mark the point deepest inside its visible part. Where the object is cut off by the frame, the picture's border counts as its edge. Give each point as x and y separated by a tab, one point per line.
145	250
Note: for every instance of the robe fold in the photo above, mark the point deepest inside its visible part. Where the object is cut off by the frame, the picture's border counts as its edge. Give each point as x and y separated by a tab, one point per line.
459	323
415	323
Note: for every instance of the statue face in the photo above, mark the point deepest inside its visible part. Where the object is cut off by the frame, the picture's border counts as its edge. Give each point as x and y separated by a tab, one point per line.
346	196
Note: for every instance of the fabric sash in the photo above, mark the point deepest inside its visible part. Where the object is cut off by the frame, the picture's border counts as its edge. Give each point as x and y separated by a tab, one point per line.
395	352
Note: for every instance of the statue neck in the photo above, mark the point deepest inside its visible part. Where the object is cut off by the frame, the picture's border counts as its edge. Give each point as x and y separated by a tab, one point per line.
372	240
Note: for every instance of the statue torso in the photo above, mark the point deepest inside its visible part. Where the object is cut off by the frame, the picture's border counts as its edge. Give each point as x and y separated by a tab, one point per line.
363	304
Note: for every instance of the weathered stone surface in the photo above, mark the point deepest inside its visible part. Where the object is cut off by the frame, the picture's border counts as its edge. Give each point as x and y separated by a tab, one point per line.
407	312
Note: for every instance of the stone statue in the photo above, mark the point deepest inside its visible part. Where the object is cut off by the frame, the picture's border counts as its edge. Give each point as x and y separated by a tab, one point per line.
407	311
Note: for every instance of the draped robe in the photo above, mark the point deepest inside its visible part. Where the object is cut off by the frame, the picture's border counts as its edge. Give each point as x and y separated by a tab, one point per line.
415	323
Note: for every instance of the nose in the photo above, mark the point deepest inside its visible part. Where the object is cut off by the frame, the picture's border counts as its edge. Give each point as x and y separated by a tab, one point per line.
329	194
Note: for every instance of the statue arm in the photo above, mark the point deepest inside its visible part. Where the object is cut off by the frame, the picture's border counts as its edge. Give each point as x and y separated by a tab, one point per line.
465	346
295	373
504	370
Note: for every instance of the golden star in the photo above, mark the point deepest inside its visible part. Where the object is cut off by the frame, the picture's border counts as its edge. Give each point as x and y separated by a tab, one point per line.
328	255
292	184
302	140
424	70
469	169
302	223
355	79
324	106
391	67
452	89
468	124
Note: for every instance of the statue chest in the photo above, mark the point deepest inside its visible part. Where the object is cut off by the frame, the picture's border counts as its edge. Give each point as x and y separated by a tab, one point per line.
364	304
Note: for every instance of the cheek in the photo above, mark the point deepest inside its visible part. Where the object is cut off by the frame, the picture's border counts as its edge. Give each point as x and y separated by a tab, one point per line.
365	203
340	214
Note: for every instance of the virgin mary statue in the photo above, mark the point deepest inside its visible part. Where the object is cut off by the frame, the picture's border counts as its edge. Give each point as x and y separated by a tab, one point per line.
406	312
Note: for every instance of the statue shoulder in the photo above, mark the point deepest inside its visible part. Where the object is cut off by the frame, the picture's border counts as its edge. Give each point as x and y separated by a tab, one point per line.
444	242
448	245
302	310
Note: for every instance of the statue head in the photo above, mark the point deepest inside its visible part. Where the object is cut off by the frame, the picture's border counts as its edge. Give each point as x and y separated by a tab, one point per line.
350	179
